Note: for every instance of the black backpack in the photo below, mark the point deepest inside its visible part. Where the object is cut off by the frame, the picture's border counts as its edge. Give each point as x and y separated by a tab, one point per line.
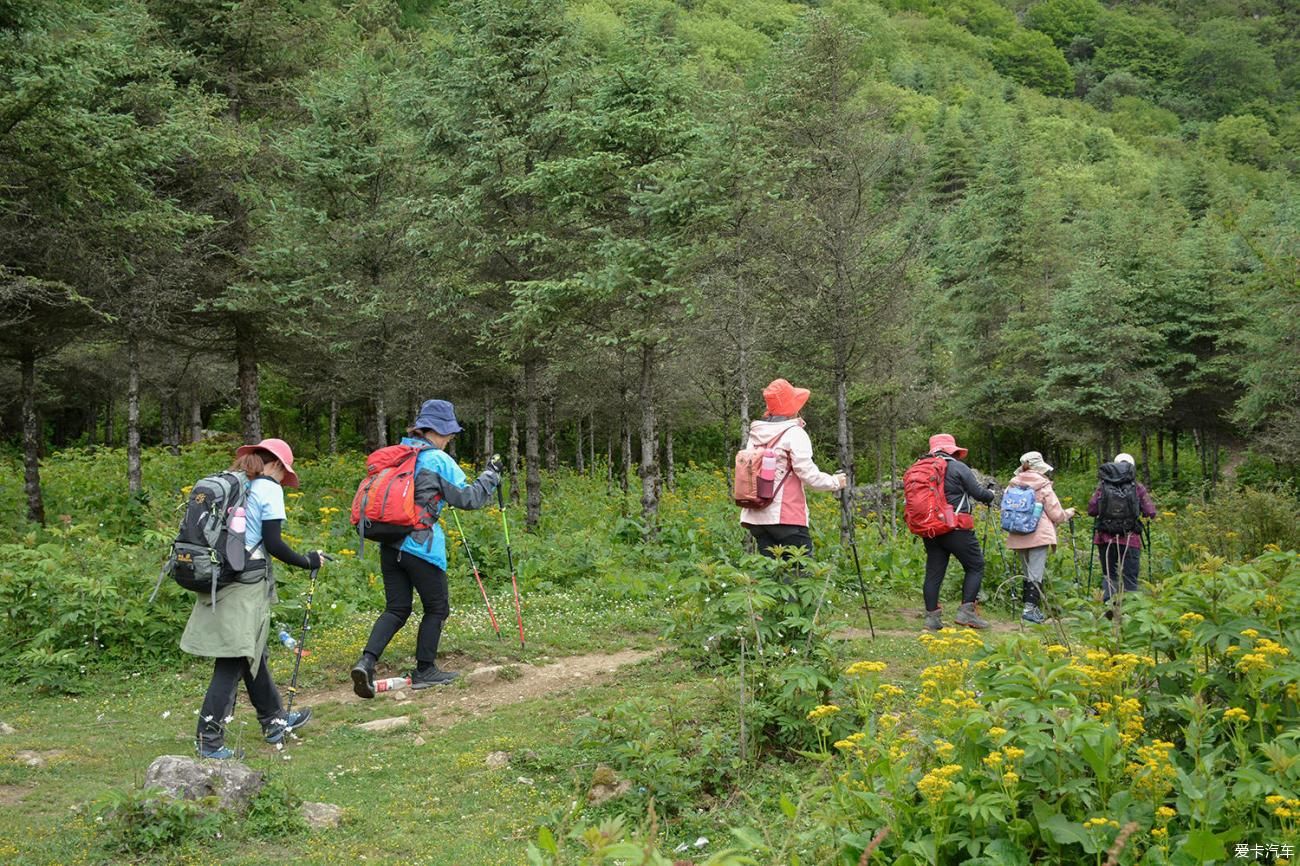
208	553
1117	510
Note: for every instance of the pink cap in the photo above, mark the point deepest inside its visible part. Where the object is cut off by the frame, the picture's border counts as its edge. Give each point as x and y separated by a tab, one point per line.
282	452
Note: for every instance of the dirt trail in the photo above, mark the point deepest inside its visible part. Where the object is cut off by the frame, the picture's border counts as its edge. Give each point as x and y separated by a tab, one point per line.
514	683
854	633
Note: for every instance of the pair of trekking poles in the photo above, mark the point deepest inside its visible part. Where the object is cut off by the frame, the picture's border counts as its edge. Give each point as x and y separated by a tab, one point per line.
510	561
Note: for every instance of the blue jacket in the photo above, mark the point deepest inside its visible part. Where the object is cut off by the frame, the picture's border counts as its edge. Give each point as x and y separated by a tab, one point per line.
436	474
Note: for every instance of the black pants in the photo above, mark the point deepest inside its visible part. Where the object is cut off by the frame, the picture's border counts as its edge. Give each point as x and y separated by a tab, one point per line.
962	544
219	702
1118	559
404	572
780	535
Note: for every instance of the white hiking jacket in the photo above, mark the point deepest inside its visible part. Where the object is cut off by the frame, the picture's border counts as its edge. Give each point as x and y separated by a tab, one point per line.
790	507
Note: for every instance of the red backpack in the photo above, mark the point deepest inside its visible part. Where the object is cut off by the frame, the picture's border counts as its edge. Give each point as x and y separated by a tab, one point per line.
926	509
384	508
751	487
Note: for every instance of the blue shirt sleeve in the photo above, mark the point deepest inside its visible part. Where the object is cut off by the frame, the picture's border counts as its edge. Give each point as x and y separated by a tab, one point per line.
265	502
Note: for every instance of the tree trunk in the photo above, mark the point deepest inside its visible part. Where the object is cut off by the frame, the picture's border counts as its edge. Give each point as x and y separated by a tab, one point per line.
196	415
1146	458
552	450
670	460
31	442
1160	452
649	445
1173	448
514	454
577	452
893	482
993	451
609	462
625	464
591	440
92	432
172	424
250	406
334	424
531	457
845	452
742	386
108	420
489	428
132	413
381	412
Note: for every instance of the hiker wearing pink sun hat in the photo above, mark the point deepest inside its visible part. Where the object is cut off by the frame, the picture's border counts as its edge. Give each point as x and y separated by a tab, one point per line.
233	629
961	489
784	522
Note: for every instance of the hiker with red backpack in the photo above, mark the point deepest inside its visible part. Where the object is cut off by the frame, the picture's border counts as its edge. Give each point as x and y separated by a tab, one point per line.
417	473
939	493
1119	503
778	460
1031	511
232	624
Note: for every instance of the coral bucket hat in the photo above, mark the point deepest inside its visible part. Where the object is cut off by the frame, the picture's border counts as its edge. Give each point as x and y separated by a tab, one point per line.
782	398
282	452
948	445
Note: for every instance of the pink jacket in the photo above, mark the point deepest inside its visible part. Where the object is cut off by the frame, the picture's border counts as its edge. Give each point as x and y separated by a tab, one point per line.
790	507
1045	534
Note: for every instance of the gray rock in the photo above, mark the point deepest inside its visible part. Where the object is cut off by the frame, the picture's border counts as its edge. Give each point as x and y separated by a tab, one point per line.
321	816
379	726
483	675
497	760
6	730
29	758
418	741
232	782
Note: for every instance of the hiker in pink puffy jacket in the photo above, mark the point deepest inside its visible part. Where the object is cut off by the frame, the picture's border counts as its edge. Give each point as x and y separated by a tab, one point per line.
784	522
1033	547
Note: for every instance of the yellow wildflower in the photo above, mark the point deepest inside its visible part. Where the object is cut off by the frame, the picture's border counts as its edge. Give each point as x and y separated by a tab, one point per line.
822	711
1250	633
945	750
1013	753
1164	813
996	732
1236	714
1191	618
1160	832
1010	777
861	668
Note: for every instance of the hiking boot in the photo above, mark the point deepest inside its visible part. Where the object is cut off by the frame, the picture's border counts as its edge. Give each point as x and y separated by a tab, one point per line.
220	753
363	676
967	616
933	620
1033	614
278	729
423	678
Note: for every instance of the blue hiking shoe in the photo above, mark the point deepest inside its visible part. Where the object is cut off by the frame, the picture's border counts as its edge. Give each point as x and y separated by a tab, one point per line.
1033	614
278	729
220	753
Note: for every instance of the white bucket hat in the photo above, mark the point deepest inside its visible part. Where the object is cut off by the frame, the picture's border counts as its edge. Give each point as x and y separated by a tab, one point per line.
1125	457
1034	460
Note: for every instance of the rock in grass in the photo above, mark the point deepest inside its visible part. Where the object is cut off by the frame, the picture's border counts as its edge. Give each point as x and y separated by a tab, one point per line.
233	783
6	730
379	726
29	758
483	675
606	785
321	816
497	760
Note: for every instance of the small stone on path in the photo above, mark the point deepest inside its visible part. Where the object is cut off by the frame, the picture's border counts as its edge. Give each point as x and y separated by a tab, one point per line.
30	758
379	726
321	816
6	730
483	675
497	760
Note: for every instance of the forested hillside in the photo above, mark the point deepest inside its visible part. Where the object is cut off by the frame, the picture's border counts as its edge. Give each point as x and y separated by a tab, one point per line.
600	227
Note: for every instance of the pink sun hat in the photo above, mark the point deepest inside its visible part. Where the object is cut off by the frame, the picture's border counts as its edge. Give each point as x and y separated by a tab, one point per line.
282	452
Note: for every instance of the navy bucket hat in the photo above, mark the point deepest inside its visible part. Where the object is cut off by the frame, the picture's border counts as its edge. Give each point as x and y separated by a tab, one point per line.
438	416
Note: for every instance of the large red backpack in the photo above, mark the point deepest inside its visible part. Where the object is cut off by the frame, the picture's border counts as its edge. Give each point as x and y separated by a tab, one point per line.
926	509
385	507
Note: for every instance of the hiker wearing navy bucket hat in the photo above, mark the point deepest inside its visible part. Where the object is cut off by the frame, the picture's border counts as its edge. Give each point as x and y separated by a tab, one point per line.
417	563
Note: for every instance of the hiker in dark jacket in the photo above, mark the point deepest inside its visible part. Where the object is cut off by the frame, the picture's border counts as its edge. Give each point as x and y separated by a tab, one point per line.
419	563
962	491
1120	550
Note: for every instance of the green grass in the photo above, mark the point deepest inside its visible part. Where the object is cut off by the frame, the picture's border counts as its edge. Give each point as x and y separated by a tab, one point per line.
405	801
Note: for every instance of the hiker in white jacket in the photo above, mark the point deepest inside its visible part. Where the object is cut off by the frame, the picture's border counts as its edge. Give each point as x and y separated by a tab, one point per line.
784	522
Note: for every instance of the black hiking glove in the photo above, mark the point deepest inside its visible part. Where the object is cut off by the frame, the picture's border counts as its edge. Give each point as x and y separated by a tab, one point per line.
495	464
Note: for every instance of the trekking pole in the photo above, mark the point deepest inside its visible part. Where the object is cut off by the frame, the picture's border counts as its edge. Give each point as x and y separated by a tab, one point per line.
302	641
857	563
510	560
1146	528
1092	551
472	564
1074	554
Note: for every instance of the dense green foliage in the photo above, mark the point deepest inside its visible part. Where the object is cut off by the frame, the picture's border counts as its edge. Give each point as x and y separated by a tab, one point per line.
1037	223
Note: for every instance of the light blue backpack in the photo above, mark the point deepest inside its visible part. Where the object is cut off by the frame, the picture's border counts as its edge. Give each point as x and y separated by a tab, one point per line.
1020	511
